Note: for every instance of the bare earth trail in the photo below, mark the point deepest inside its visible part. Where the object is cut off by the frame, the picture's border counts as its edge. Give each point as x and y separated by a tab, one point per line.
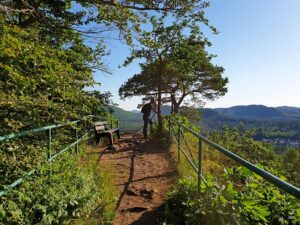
143	173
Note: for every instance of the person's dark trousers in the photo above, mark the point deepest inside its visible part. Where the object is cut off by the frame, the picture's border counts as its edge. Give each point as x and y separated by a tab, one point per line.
146	122
151	127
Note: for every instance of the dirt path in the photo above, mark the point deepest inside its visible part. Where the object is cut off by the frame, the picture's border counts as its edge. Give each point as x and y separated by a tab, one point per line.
144	173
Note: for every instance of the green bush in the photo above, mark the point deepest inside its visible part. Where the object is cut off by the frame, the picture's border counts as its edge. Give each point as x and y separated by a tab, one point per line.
239	193
61	191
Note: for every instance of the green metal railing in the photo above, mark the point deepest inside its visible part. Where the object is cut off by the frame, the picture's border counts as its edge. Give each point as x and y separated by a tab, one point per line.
197	167
50	157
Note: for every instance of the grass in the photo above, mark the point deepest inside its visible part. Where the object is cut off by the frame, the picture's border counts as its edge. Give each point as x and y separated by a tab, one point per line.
213	161
105	212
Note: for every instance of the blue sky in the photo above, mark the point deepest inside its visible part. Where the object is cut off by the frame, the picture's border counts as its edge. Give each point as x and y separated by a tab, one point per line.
258	45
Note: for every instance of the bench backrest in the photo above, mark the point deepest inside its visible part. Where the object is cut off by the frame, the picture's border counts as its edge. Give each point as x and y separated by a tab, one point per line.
100	126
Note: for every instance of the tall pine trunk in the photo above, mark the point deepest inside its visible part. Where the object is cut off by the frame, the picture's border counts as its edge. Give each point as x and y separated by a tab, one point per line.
159	105
160	69
176	108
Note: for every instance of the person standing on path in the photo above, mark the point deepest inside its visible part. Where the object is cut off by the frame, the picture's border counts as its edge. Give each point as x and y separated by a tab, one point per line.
146	110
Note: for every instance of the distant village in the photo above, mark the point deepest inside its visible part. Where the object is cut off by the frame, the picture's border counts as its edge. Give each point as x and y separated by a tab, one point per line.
283	142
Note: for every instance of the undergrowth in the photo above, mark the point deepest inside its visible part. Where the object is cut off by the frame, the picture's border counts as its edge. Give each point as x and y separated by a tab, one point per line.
221	201
232	193
70	190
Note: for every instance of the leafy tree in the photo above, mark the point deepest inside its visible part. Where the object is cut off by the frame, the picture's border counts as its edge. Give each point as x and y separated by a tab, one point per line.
41	84
242	144
166	49
290	163
93	17
188	73
62	25
193	75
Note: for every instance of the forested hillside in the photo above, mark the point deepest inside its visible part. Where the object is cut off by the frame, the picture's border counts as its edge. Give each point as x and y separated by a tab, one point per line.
279	126
261	112
121	114
281	123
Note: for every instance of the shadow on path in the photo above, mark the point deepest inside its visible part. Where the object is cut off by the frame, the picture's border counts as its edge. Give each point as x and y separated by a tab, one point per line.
150	217
126	185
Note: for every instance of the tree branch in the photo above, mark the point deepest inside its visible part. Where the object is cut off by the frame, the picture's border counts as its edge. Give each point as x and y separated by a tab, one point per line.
140	8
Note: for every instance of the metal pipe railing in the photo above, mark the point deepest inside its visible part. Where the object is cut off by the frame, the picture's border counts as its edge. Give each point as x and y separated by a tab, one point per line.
289	188
50	157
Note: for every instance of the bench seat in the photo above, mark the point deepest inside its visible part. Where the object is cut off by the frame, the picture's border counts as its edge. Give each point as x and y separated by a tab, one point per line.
102	129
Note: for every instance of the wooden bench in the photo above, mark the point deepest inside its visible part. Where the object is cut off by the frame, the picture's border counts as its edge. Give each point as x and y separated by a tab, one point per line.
102	129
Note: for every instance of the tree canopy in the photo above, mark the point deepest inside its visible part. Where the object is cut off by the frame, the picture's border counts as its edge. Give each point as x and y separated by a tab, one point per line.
47	62
188	73
176	62
91	17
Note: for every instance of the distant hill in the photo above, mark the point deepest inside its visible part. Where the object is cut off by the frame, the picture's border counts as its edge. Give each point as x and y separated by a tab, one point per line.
235	113
128	120
292	112
122	114
136	111
271	122
259	112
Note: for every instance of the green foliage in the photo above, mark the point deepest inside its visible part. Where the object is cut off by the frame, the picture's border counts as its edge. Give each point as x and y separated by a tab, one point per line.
243	145
41	84
177	65
67	189
19	156
45	66
238	193
290	162
58	18
156	47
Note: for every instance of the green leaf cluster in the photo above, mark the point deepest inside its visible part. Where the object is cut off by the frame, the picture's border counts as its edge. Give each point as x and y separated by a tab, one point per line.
61	191
177	65
41	84
238	193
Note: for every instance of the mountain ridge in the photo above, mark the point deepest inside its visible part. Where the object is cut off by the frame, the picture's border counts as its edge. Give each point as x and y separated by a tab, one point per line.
271	122
258	112
244	112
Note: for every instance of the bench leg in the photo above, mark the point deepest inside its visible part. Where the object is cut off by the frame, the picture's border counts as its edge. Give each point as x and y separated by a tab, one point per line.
110	138
118	134
97	137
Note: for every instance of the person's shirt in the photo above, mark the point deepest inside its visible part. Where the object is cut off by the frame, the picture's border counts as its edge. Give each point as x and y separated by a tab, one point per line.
147	108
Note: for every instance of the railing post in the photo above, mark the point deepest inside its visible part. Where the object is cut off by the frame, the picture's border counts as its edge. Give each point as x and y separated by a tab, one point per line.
49	144
200	158
76	134
178	141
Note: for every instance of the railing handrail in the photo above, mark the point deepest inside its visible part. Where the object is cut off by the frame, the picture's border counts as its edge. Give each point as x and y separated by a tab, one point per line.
35	130
50	157
289	188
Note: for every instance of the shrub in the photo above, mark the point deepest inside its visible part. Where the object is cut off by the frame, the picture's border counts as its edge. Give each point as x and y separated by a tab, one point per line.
239	193
66	189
